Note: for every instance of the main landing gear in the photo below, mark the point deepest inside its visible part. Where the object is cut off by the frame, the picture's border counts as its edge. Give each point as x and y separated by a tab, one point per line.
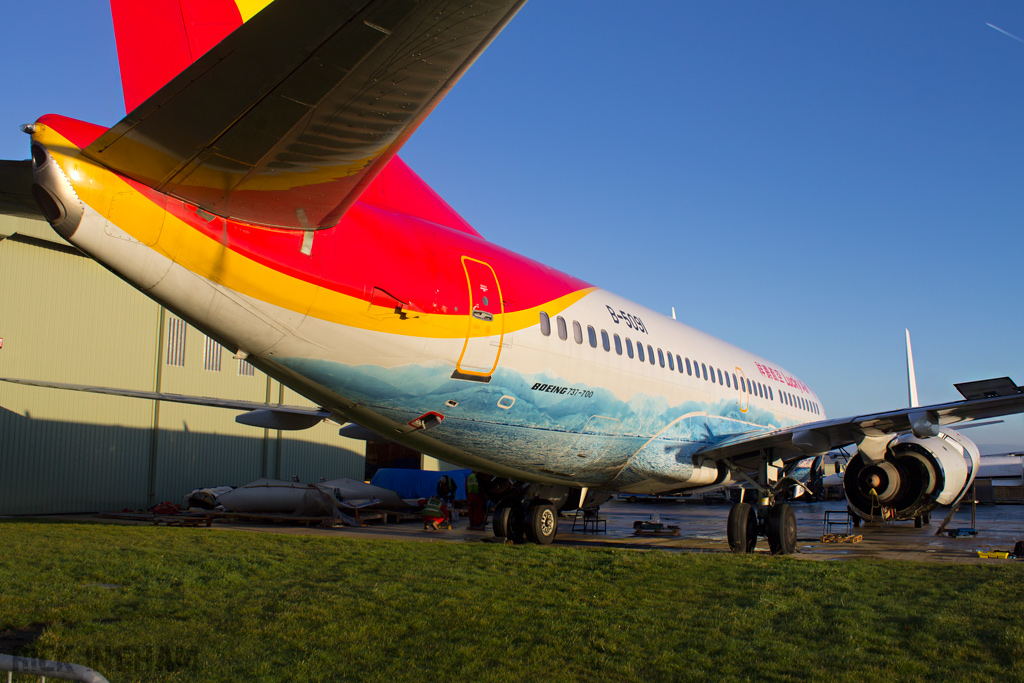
529	512
518	521
776	521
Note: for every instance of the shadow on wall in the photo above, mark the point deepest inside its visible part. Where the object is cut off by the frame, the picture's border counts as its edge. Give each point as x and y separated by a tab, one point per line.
51	466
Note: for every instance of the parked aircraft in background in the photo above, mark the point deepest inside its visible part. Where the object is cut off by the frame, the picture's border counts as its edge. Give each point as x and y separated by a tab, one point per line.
254	190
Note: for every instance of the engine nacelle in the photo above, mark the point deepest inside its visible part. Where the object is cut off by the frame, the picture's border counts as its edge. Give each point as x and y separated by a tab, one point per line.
915	475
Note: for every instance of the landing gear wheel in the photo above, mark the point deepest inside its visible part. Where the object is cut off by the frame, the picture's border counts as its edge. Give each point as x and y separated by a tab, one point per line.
742	528
508	521
782	529
541	523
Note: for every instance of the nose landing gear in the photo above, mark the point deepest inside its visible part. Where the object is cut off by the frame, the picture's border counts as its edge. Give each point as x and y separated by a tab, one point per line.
776	521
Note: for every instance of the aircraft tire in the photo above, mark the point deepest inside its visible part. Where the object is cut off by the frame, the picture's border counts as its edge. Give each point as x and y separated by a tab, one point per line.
782	529
742	528
508	521
541	523
499	520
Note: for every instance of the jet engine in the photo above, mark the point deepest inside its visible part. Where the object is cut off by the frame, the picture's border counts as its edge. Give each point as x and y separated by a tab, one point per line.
914	476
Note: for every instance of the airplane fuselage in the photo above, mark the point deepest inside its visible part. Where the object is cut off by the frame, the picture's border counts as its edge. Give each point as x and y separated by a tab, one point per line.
411	324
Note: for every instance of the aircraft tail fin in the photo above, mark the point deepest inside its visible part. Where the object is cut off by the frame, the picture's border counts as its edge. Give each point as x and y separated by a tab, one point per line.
158	39
911	376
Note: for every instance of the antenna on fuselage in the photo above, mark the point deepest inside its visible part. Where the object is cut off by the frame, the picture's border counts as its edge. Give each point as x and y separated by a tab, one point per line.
911	377
673	312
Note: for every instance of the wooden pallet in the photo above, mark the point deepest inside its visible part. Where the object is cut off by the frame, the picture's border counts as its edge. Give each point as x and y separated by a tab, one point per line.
185	519
842	538
666	531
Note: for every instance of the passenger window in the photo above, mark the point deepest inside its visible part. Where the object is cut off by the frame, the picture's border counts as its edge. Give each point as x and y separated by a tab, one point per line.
605	342
712	369
661	358
618	345
577	332
719	371
640	351
727	385
679	364
562	332
734	382
629	347
545	324
592	336
771	394
671	365
704	369
688	371
650	354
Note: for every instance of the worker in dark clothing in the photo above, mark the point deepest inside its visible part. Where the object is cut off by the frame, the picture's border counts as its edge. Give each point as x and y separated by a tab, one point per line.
477	503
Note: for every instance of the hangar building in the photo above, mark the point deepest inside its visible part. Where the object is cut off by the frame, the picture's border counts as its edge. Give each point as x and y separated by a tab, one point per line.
63	318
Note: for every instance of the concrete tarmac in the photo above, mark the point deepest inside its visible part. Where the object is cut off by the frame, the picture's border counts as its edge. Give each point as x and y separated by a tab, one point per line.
702	528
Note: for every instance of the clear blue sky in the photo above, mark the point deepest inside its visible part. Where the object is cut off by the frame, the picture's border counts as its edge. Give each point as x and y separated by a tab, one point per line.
804	180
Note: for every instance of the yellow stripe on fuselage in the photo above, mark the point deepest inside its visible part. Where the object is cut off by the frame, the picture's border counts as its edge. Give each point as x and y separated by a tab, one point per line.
250	8
172	237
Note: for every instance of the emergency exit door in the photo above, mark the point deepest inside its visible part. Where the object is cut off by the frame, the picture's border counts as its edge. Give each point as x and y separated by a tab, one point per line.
485	323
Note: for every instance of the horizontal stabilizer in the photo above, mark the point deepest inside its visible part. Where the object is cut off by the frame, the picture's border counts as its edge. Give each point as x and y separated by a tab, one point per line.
288	119
299	412
270	418
354	431
16	190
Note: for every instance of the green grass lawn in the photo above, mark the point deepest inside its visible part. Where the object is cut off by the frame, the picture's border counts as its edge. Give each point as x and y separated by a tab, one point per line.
160	604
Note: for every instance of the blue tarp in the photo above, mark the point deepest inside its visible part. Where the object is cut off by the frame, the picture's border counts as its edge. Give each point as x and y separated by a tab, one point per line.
418	483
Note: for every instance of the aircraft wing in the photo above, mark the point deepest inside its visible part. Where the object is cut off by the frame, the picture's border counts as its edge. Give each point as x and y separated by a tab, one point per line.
292	115
16	190
815	438
257	414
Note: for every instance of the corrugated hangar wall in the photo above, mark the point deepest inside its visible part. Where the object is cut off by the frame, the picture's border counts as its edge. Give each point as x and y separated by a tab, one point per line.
63	318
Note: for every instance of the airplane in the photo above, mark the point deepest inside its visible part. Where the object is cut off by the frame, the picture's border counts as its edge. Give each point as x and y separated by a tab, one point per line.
254	189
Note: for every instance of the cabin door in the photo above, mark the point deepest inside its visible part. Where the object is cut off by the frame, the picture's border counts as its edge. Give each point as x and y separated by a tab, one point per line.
485	323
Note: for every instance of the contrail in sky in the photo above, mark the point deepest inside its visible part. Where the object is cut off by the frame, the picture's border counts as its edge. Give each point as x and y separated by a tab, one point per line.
1005	33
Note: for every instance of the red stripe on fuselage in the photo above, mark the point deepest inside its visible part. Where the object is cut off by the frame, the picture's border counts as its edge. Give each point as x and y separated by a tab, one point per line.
404	239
